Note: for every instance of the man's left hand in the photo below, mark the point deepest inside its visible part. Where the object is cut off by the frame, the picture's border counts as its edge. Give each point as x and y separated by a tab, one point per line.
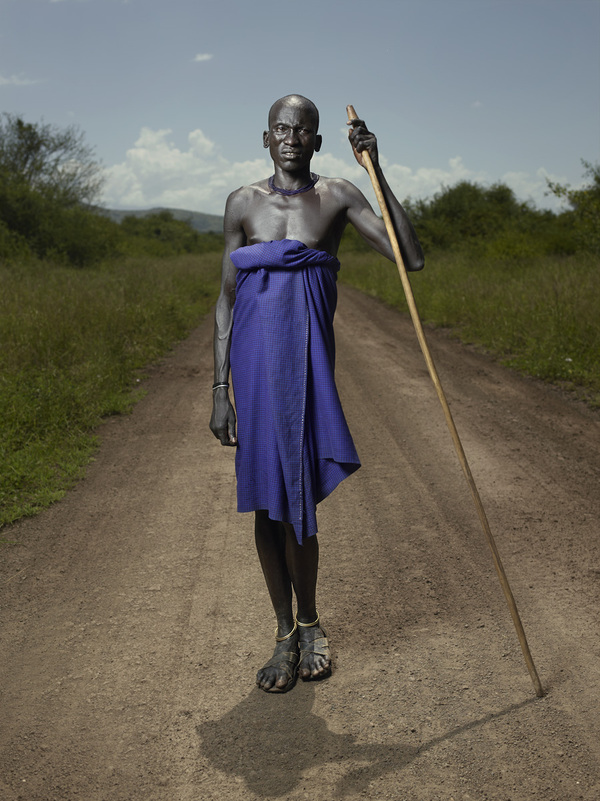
362	139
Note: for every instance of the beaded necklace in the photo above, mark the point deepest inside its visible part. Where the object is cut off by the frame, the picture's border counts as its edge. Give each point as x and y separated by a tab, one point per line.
313	180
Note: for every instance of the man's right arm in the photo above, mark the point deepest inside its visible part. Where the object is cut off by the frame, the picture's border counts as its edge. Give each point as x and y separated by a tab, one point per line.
222	421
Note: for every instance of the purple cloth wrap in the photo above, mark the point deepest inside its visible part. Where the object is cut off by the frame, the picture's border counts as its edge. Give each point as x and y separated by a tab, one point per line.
294	444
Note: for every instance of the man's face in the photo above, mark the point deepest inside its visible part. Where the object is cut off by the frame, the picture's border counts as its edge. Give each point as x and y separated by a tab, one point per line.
292	137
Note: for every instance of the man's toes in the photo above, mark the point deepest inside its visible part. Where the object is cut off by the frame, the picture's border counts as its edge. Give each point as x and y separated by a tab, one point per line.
315	668
321	667
264	681
267	681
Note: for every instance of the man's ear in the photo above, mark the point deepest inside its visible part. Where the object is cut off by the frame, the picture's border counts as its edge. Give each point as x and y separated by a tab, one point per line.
265	139
318	142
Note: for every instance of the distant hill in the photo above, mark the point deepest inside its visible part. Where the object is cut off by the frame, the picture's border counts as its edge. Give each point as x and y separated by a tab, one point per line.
201	222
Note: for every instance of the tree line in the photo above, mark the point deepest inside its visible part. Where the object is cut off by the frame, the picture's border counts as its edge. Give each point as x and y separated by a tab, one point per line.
50	181
492	223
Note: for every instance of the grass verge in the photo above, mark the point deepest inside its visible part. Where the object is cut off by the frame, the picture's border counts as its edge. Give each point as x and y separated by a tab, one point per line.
72	343
538	314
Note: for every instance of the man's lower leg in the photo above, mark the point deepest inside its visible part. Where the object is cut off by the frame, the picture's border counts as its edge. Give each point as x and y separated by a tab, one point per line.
271	547
303	566
279	673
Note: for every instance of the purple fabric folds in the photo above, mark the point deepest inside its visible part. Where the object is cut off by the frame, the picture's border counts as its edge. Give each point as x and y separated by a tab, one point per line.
294	443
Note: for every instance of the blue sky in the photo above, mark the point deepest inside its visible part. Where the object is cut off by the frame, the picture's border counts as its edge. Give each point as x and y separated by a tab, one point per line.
173	94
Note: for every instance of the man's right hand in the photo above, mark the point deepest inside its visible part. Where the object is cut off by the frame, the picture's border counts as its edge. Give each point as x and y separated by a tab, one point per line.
222	420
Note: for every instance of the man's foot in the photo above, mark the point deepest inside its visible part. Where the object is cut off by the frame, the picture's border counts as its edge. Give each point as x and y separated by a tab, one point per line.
315	659
279	674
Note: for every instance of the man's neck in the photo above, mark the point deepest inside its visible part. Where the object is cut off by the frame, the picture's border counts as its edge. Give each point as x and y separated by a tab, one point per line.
281	184
291	181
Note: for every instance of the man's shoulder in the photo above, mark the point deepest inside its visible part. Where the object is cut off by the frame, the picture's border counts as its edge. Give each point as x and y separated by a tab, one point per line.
339	185
248	192
345	191
239	200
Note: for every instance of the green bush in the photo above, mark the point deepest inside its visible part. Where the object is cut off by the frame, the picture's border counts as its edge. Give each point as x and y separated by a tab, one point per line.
55	162
487	220
47	176
584	216
12	245
162	235
72	234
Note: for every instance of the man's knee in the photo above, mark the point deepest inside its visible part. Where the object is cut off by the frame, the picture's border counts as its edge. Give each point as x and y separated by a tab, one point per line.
265	526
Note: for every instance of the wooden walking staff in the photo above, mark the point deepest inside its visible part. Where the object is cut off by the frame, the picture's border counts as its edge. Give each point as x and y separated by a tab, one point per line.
450	422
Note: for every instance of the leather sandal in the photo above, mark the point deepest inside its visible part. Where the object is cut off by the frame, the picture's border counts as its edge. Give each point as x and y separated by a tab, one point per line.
318	645
286	661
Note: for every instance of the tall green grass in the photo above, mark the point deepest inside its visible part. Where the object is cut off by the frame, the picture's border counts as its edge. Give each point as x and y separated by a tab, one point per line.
72	343
538	314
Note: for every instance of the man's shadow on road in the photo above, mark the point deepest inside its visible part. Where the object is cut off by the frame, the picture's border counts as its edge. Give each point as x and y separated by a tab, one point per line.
271	740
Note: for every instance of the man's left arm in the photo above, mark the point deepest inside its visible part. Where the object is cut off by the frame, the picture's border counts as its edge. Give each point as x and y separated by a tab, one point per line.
361	215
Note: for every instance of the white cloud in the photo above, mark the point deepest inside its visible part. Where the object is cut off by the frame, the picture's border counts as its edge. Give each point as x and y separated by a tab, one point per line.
199	177
17	80
405	182
426	181
534	187
202	57
157	173
332	166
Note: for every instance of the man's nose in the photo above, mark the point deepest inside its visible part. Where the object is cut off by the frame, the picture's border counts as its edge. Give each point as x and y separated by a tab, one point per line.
291	137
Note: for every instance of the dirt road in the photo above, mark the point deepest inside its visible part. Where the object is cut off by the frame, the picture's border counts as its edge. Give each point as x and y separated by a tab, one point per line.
133	613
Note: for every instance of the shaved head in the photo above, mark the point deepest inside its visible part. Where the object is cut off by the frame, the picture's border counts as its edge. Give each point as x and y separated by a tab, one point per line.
297	101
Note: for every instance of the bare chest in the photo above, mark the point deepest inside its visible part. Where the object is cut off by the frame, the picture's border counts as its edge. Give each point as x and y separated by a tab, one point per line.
313	218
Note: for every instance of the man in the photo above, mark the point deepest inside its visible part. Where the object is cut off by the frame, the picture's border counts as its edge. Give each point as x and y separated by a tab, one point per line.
279	268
